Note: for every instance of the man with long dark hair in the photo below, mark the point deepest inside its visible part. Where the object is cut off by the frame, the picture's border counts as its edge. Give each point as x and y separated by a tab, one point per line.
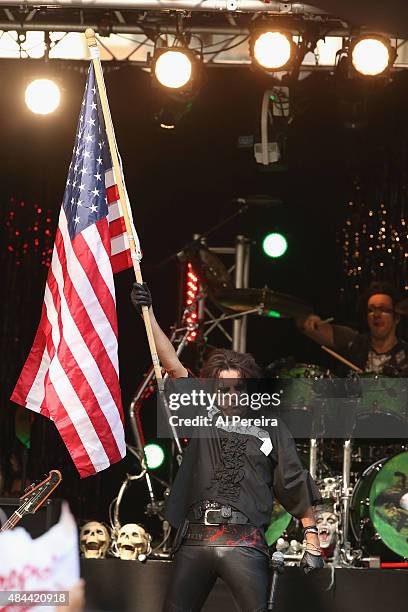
221	499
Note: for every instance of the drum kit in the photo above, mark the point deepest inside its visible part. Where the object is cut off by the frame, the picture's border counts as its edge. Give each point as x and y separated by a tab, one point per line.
360	463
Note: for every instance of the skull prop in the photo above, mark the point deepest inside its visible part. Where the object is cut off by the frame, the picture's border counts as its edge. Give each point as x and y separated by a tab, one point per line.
327	522
133	542
94	540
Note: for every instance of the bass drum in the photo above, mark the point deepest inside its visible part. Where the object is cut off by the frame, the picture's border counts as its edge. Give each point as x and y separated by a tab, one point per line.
279	523
379	508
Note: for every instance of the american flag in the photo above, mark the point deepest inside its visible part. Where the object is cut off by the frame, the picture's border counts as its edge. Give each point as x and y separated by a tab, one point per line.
71	374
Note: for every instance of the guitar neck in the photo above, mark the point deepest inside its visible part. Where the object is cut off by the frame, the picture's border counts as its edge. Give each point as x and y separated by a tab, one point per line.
33	499
11	521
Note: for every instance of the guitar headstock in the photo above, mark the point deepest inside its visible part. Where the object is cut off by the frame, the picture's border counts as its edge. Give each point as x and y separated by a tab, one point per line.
37	493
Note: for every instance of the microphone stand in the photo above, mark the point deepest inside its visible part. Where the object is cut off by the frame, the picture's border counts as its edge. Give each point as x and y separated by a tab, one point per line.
277	564
242	208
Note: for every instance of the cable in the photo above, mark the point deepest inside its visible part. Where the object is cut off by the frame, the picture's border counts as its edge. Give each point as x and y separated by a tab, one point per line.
228	48
164	540
126	37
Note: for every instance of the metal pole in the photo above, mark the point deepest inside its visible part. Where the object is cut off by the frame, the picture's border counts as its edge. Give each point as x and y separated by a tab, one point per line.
239	283
201	294
345	493
245	284
249	6
313	458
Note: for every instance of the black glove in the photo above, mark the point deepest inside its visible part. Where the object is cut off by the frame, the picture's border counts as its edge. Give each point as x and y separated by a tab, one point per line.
140	296
309	562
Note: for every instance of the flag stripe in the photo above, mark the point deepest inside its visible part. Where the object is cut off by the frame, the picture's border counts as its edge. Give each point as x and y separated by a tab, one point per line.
121	261
30	377
112	193
111	183
119	244
36	395
114	212
117	227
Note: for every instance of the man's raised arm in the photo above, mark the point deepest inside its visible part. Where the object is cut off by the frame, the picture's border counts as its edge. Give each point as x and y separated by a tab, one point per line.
141	296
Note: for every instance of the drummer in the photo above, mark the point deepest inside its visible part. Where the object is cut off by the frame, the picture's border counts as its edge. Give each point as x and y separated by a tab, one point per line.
379	351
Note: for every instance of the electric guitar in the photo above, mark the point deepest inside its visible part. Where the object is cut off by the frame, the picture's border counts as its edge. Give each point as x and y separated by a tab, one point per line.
34	496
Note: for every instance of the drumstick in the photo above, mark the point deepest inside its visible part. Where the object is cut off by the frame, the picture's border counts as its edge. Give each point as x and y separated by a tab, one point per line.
329	320
343	359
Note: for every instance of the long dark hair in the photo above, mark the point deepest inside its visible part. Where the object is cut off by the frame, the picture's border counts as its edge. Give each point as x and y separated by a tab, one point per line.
225	359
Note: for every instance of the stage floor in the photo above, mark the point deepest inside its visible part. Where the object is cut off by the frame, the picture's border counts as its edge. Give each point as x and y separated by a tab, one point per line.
115	586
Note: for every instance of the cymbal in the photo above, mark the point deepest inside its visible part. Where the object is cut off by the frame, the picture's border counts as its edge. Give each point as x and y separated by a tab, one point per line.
270	303
401	307
213	272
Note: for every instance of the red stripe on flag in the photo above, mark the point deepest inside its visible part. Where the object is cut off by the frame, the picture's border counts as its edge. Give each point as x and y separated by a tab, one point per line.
69	434
117	227
112	194
121	261
32	364
44	410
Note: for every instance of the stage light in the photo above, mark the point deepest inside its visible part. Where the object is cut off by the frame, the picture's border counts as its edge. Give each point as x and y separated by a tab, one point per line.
272	50
191	304
372	55
154	455
173	68
274	245
42	96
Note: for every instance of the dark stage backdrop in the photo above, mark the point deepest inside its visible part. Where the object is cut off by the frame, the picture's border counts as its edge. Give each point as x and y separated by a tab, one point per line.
181	182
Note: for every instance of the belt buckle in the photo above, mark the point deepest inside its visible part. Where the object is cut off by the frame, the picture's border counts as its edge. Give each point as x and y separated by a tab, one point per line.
206	521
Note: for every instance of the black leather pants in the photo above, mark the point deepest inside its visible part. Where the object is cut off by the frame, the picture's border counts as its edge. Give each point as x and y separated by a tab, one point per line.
196	568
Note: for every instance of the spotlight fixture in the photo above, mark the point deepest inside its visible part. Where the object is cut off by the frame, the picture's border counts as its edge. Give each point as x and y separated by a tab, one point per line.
175	69
272	50
154	455
274	245
42	96
371	55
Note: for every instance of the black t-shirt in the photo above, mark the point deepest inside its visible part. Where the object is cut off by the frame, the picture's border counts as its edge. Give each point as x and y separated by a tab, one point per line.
231	468
357	349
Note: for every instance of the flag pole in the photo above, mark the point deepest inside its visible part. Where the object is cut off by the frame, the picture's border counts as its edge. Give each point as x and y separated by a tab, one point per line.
95	56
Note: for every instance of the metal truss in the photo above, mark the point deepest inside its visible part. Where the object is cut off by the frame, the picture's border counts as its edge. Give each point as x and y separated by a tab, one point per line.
128	29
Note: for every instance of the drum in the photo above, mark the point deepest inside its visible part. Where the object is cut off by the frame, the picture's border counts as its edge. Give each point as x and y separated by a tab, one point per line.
381	407
379	508
298	385
279	523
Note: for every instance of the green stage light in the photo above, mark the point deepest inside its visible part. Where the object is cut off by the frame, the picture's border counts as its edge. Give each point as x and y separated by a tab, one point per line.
274	245
154	455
